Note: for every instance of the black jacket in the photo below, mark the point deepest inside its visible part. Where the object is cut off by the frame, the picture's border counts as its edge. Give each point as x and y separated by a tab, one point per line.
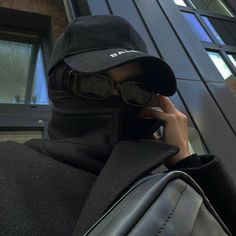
50	187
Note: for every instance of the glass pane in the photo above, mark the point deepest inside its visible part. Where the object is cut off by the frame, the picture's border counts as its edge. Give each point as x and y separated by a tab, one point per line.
215	6
13	71
220	64
232	58
19	70
180	2
39	95
224	31
196	27
212	29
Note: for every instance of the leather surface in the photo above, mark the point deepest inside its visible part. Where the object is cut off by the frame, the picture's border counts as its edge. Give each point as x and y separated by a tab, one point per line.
124	167
161	205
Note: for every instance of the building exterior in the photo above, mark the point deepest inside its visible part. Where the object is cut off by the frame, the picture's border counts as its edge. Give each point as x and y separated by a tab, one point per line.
196	37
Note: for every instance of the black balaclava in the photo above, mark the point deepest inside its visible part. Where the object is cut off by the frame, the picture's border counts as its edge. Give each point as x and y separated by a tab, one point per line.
101	123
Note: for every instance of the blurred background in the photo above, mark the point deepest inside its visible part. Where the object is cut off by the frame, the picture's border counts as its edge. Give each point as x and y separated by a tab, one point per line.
196	37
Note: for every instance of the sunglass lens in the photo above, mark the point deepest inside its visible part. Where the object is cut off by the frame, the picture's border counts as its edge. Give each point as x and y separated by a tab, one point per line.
135	93
92	86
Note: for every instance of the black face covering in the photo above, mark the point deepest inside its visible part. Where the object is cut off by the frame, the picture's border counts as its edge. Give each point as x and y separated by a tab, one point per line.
100	123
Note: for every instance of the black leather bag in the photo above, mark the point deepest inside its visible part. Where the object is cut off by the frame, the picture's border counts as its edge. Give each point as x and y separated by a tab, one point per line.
166	205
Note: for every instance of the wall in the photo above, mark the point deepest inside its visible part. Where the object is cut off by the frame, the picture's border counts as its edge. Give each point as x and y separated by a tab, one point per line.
202	94
46	18
53	8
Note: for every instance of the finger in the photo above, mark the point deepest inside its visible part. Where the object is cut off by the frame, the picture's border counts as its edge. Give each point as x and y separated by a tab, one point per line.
154	105
155	101
167	105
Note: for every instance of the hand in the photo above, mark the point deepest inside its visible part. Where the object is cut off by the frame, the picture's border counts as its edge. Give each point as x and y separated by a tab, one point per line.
175	128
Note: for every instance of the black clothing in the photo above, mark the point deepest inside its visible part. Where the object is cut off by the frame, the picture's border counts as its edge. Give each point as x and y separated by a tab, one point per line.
63	185
209	173
51	187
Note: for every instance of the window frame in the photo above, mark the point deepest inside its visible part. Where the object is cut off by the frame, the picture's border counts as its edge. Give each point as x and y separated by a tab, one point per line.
223	50
25	25
33	38
190	5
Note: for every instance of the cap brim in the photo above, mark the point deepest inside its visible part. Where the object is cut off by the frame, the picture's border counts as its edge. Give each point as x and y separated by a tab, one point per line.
159	74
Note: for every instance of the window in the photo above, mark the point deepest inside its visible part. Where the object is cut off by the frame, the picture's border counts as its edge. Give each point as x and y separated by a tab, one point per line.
180	3
232	59
212	29
224	31
196	27
220	64
22	73
214	24
214	6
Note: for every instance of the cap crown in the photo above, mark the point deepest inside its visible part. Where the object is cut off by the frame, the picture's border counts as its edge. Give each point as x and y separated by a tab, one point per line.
95	32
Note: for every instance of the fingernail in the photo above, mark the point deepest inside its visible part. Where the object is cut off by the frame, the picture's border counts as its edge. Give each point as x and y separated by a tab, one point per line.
156	109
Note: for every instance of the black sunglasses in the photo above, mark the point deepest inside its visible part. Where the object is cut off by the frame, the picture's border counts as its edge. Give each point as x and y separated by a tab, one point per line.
100	87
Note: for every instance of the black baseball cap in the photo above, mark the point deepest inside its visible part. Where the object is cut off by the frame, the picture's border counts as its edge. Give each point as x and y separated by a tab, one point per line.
92	44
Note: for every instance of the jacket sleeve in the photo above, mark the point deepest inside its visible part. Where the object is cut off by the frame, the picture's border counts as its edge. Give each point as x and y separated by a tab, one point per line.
208	171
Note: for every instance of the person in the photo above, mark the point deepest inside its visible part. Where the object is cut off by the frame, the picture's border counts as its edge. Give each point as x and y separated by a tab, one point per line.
109	97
